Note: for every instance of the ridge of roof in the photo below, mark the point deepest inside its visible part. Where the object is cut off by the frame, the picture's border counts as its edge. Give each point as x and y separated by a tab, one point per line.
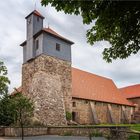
92	73
36	13
135	85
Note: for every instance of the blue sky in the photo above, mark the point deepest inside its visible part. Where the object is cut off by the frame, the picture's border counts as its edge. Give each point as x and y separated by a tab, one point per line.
89	58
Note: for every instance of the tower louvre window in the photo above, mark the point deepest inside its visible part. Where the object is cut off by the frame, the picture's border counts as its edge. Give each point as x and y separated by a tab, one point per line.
57	47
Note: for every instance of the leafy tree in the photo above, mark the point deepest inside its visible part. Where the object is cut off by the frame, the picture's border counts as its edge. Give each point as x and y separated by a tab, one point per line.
22	108
4	81
15	109
115	21
6	111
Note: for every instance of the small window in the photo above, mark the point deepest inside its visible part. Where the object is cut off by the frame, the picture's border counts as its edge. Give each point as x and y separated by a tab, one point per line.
37	18
86	101
37	44
74	104
57	47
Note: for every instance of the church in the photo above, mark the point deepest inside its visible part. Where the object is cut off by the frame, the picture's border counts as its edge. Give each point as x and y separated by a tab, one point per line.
58	89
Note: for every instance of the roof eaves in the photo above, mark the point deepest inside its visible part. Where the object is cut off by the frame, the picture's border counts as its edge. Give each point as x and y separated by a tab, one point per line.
23	44
129	104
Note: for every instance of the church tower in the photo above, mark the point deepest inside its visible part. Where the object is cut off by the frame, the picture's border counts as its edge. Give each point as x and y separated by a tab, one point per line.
46	71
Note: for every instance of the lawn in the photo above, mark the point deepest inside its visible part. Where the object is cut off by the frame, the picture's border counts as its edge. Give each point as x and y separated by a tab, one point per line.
135	127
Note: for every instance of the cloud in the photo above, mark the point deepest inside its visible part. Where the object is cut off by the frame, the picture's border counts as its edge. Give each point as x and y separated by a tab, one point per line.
84	56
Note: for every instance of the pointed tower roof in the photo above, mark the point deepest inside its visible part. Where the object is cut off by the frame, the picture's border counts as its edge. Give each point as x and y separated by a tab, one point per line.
35	12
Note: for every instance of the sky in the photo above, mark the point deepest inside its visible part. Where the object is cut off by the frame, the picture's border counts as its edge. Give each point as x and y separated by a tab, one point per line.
84	56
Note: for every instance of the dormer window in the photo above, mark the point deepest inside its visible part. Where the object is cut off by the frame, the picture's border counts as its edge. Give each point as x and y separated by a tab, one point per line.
36	44
57	47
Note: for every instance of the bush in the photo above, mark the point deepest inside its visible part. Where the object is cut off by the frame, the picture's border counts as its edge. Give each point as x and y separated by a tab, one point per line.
133	137
95	134
68	116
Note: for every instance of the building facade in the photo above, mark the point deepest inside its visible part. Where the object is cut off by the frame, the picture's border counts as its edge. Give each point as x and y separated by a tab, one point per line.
56	88
132	93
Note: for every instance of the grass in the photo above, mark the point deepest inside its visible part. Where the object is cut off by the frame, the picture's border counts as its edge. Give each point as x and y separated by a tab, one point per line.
133	137
135	127
96	134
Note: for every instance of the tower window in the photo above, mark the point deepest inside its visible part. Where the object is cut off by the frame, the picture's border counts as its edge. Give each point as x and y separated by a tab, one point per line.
57	47
36	44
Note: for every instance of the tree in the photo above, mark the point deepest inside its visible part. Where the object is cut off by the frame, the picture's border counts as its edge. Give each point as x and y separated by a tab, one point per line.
6	111
16	110
22	110
4	81
115	21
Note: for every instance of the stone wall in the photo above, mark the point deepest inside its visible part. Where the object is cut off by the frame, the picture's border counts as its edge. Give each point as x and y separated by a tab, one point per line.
47	81
105	131
17	132
135	101
84	114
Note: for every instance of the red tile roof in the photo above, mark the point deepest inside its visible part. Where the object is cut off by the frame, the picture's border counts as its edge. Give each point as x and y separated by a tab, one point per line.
93	87
16	90
51	32
131	91
36	13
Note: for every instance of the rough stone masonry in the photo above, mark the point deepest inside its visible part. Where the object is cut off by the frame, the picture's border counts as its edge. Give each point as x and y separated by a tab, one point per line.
47	81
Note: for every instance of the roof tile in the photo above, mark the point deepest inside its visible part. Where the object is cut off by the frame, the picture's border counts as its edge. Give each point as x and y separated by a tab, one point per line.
93	87
131	91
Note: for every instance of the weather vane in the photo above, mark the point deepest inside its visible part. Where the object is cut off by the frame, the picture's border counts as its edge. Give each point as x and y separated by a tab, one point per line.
35	5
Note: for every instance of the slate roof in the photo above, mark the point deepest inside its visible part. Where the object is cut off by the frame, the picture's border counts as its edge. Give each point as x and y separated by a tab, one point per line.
131	91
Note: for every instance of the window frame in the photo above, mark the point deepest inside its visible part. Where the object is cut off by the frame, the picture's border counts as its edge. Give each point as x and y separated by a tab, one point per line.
73	104
57	47
36	44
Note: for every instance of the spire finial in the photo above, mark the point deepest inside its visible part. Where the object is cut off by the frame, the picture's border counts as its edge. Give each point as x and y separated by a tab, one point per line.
34	4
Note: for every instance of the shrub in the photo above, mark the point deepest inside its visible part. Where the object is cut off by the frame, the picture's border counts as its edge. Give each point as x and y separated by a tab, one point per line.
68	116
